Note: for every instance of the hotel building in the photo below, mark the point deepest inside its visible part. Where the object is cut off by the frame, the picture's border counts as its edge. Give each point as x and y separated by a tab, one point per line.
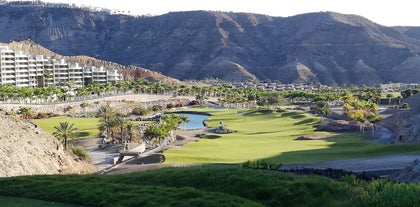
23	70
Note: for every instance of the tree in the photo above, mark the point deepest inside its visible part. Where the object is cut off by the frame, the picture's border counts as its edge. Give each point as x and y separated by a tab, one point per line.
64	131
321	108
106	113
83	106
130	130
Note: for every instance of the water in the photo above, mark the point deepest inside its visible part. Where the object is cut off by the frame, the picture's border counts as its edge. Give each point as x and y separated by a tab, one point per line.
196	121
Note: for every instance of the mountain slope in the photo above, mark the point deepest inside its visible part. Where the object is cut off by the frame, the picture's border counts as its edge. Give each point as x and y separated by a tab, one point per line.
326	47
26	150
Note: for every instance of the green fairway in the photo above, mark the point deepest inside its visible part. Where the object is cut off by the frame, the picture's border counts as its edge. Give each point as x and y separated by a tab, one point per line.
87	127
270	135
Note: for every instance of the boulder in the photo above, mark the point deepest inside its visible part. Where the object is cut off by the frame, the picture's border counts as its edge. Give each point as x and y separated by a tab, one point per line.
410	174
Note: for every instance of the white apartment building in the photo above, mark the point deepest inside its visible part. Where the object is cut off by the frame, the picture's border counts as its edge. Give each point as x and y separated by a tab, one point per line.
23	70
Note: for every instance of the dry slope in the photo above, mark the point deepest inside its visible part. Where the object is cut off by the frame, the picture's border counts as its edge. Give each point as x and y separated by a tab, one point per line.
26	150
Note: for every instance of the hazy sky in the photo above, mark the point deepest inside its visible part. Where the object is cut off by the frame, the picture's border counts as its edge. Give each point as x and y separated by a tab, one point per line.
385	12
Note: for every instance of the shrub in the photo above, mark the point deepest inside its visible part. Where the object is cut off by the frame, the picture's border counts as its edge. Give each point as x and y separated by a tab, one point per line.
261	164
157	108
405	106
195	102
169	105
79	151
41	115
179	105
140	111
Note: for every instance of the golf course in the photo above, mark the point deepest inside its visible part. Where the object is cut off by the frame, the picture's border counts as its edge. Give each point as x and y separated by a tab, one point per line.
259	135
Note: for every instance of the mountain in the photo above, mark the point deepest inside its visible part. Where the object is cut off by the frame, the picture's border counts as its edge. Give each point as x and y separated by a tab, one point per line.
27	150
325	47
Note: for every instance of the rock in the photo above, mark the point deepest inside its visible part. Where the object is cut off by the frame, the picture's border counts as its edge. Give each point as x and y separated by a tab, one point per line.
29	151
406	123
410	174
330	125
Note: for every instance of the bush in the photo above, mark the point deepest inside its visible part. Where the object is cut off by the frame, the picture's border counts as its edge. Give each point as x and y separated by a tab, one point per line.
169	105
79	151
405	106
41	115
260	164
141	111
195	102
157	108
179	105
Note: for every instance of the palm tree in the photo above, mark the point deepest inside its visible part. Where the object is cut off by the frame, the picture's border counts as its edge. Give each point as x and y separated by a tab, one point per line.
106	113
130	130
120	122
63	131
83	105
155	133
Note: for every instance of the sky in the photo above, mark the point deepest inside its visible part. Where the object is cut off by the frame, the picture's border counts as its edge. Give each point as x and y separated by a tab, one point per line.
385	12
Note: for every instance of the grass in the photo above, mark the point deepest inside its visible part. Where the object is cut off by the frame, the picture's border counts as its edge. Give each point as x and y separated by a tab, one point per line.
268	134
208	186
87	127
24	202
205	186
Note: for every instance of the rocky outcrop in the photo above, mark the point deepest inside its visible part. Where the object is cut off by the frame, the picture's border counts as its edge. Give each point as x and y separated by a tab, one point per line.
331	125
326	47
405	123
27	150
411	174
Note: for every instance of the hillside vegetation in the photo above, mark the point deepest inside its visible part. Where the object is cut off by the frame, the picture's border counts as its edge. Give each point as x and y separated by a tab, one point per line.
209	186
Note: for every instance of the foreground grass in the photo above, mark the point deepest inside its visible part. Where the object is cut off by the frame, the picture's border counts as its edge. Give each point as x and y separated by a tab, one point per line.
87	127
24	202
268	134
209	186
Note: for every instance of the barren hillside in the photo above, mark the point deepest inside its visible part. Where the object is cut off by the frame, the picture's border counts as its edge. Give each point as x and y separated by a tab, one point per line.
406	123
27	150
325	47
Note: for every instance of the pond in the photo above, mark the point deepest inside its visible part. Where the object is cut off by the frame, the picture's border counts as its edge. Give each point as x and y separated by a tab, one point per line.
196	121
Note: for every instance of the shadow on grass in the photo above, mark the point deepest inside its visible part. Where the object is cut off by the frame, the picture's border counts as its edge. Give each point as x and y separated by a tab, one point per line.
344	146
306	121
259	112
265	132
82	134
211	136
293	114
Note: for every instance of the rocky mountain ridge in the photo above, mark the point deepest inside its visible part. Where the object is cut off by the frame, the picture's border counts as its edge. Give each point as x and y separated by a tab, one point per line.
321	47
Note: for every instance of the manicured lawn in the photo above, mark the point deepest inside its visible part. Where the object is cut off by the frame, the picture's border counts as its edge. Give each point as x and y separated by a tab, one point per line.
87	127
270	135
